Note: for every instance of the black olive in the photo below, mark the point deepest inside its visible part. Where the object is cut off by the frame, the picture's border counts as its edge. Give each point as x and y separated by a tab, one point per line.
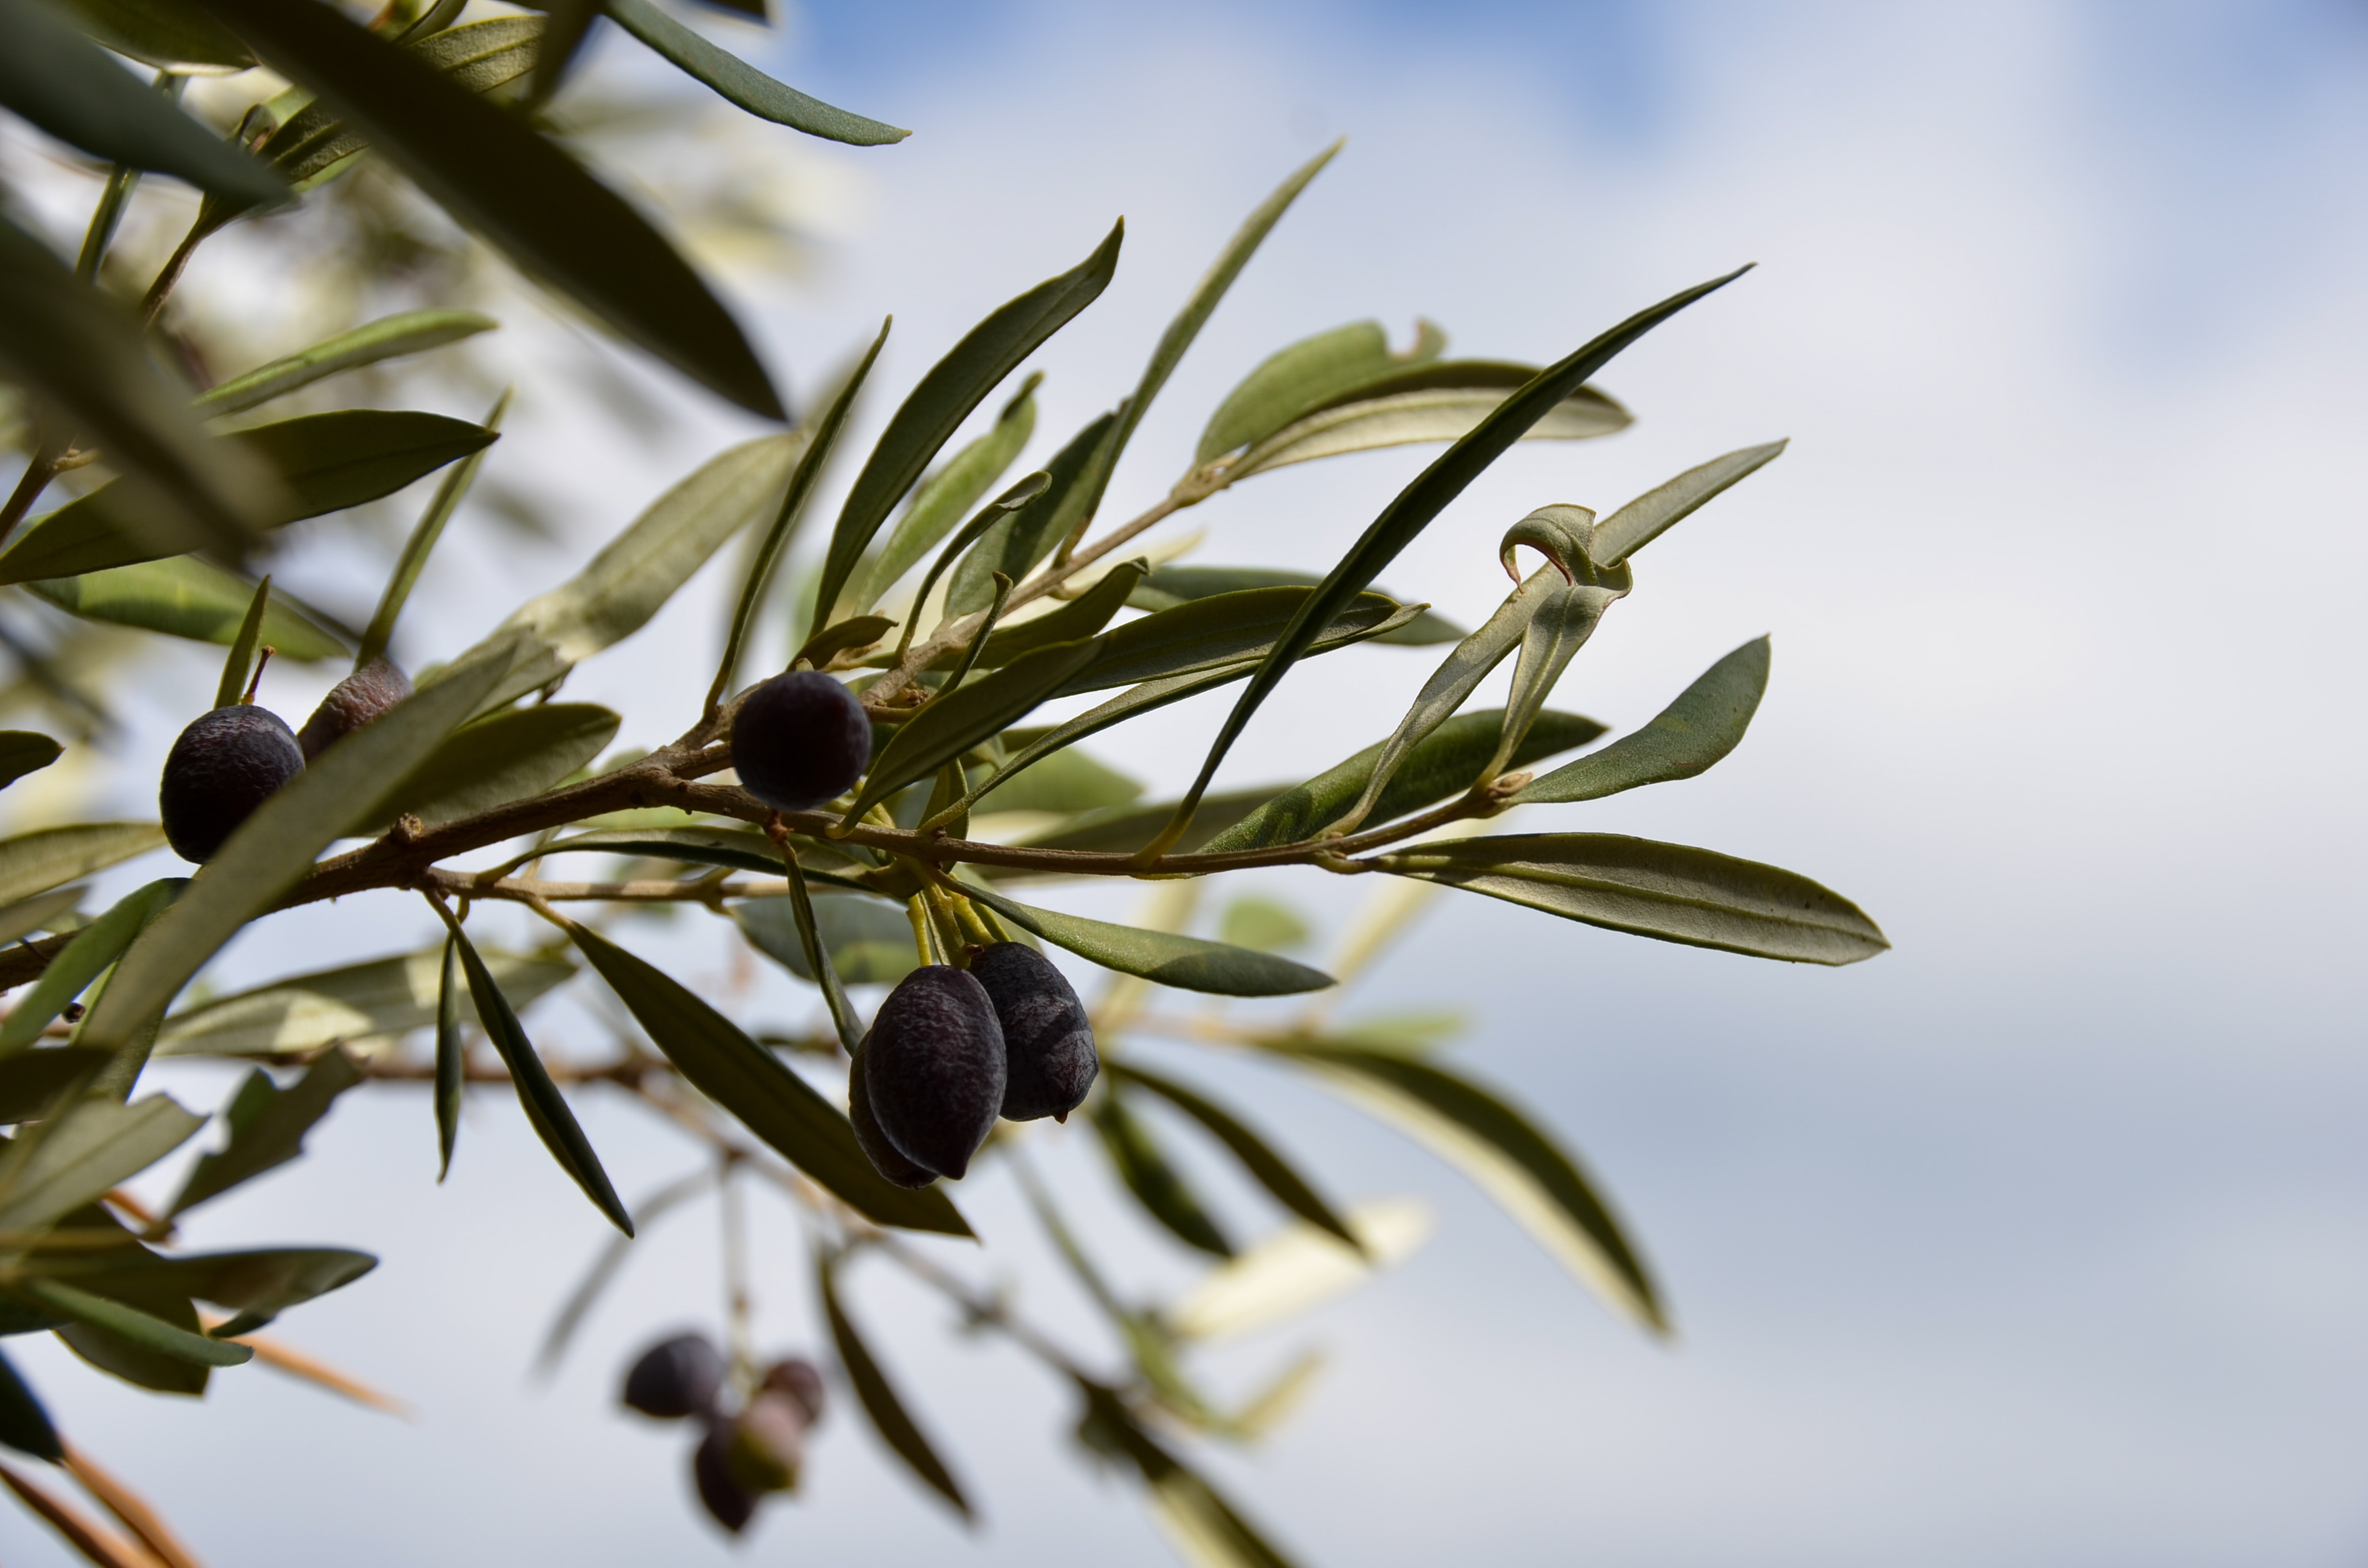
227	762
874	1144
800	740
934	1068
676	1377
352	703
727	1502
1047	1041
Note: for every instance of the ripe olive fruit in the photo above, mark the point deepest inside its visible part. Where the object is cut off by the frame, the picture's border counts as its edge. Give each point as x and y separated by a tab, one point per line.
800	740
227	762
765	1443
934	1068
874	1144
352	703
802	1381
1048	1044
676	1377
727	1502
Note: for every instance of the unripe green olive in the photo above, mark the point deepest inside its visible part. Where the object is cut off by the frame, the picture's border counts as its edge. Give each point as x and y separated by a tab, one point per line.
1048	1043
799	740
766	1443
227	762
934	1068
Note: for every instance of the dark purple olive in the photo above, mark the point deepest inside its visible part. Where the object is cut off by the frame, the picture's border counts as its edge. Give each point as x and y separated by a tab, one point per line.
765	1443
800	740
802	1381
727	1502
227	762
1048	1043
874	1144
352	703
934	1068
676	1377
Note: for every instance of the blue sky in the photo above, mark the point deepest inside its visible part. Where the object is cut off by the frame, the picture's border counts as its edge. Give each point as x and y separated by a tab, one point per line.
2043	1238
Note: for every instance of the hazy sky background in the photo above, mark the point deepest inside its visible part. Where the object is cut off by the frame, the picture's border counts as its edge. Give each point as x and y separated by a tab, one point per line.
2040	1239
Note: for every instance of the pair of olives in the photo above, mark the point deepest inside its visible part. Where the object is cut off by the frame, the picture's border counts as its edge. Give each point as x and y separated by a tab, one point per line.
746	1454
232	759
951	1049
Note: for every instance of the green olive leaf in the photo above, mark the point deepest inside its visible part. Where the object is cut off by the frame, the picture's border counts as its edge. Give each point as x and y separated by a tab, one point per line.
502	757
1170	585
1165	958
267	1125
73	1159
1646	518
740	84
878	1396
147	1332
162	33
942	500
1269	1169
955	385
354	1005
1312	373
1014	544
182	596
1686	738
390	337
1668	892
23	752
957	719
1439	413
326	462
1147	1171
94	948
52	857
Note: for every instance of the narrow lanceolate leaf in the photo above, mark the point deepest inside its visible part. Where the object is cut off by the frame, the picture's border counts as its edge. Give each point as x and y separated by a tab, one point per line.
357	1004
1312	373
1356	626
1267	1167
24	1424
1207	634
959	720
94	947
1188	963
326	462
82	351
1516	1164
738	849
941	501
390	337
1068	782
241	660
1170	585
452	1057
878	1396
1667	891
1687	737
503	757
1122	829
1554	637
1169	351
546	1108
1018	495
953	387
273	849
1446	763
31	1082
256	1282
52	857
129	1323
1148	1172
161	32
450	491
267	1125
636	572
1405	517
73	1160
787	516
1646	518
1014	544
738	83
23	752
1437	414
489	169
54	77
42	911
1458	676
1081	617
755	1087
1204	1529
1297	1267
185	596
